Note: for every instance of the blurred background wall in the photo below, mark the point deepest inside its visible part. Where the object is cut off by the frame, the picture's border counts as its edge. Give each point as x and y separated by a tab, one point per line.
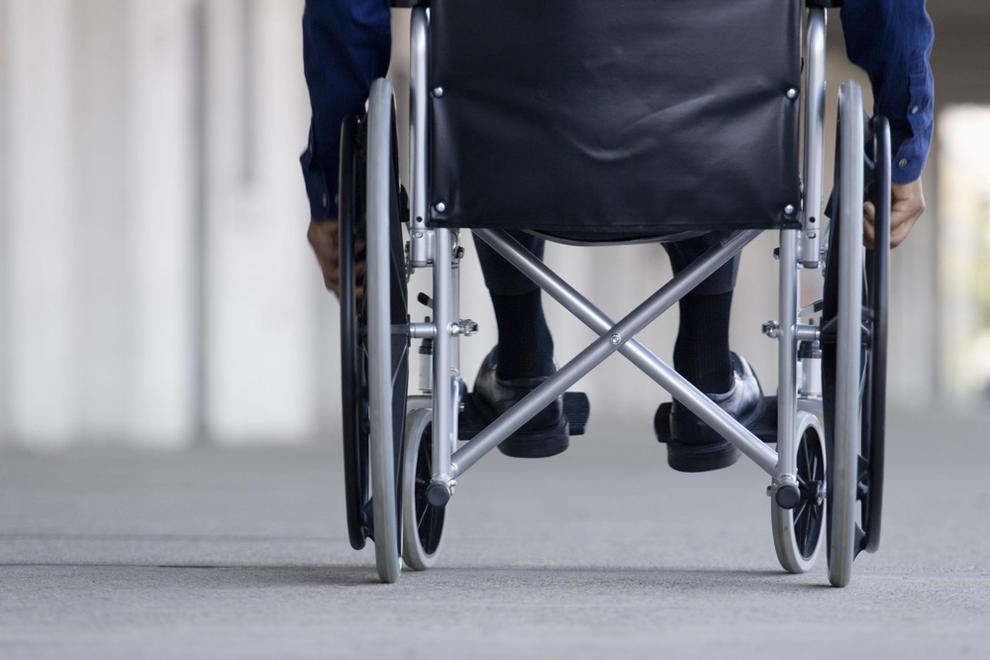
156	287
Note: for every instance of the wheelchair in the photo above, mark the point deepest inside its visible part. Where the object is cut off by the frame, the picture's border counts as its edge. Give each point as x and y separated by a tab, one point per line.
591	122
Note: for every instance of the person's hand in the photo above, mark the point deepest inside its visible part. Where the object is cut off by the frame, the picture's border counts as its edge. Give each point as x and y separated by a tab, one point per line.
907	203
324	236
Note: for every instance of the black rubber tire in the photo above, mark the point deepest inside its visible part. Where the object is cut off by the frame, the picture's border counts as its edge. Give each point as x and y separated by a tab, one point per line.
798	533
877	290
422	522
354	384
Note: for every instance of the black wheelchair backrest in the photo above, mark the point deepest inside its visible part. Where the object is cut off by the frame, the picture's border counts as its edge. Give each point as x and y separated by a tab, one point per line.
614	116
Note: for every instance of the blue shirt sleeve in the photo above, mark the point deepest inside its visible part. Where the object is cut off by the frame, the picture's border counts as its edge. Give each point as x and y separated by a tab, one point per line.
892	41
346	46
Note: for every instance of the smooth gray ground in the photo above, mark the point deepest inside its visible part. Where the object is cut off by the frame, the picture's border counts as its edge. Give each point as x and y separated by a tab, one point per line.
600	553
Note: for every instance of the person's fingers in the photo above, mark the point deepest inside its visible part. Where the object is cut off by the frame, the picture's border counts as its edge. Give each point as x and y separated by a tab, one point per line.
323	237
869	228
907	205
331	278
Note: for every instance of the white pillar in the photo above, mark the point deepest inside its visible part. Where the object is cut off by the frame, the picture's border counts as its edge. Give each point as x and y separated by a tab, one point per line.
262	283
42	225
160	166
102	283
5	131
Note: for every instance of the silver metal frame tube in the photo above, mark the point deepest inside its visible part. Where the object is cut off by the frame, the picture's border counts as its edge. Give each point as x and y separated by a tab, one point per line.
454	361
419	90
443	317
787	306
814	138
615	337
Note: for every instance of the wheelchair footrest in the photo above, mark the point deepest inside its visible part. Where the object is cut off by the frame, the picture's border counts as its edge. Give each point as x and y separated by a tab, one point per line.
765	428
577	410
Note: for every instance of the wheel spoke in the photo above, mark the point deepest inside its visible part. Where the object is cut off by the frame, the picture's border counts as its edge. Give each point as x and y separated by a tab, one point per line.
814	522
805	458
397	364
803	507
801	532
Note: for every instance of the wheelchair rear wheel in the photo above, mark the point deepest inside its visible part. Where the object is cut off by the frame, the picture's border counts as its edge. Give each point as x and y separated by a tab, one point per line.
854	327
374	345
353	348
422	523
797	532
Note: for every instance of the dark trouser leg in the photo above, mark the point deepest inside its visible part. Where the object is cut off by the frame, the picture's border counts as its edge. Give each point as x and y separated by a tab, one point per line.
701	352
525	347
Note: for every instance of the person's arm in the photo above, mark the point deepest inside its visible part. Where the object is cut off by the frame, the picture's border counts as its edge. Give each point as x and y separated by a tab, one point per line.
346	46
892	41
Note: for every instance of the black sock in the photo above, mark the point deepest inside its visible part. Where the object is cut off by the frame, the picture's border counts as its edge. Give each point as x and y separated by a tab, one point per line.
525	347
701	353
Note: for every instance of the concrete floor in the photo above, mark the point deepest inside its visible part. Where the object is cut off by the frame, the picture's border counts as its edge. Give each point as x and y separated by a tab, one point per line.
600	553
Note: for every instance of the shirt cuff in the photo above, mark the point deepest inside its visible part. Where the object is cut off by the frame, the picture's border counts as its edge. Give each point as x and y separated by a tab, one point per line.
908	161
322	196
912	135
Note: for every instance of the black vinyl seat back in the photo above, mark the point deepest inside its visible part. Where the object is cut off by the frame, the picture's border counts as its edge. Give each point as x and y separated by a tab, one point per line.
599	117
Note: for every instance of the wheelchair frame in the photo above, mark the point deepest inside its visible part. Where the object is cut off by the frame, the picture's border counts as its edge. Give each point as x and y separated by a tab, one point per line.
798	405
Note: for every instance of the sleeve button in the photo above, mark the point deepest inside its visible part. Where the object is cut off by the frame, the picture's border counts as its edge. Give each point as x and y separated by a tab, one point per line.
902	162
915	109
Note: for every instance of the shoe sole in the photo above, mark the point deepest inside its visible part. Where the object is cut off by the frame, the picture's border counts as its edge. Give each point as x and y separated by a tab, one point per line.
539	443
701	458
707	456
530	443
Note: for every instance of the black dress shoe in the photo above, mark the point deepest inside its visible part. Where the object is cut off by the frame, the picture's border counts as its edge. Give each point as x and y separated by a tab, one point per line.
694	446
546	434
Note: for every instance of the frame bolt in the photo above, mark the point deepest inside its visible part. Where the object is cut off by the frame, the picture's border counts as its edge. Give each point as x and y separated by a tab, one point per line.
440	207
792	93
464	328
616	339
771	329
